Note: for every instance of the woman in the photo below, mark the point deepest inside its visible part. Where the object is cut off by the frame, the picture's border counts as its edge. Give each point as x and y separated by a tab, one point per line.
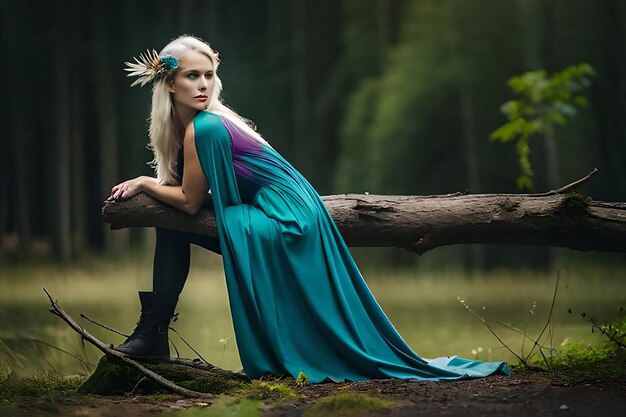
298	301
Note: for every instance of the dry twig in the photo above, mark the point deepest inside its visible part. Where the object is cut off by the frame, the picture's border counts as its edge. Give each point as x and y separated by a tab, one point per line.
107	350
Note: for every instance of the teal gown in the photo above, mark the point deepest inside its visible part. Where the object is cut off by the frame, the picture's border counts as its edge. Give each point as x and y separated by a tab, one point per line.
298	300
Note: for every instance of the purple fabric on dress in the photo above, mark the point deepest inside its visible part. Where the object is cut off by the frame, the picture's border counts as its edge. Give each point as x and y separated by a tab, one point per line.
243	145
244	148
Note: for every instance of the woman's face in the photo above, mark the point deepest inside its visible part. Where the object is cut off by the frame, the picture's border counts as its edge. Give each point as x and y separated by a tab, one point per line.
194	82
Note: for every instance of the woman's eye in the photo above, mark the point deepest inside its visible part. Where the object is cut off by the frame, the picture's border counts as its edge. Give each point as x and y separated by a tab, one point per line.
209	75
191	75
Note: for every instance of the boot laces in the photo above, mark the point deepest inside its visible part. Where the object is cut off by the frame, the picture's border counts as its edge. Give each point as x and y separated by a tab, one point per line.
142	326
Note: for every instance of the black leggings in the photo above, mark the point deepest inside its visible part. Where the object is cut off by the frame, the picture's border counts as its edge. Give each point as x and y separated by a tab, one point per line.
172	255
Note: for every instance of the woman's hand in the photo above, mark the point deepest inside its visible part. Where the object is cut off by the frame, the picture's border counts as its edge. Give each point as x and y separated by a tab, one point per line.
127	189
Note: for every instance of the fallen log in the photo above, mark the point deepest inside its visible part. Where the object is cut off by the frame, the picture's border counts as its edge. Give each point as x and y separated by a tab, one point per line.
561	218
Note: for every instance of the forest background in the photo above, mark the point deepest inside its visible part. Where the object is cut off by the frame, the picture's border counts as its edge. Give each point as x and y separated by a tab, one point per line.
385	97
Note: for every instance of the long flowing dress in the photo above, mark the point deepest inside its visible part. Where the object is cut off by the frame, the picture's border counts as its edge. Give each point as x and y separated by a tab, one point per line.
298	300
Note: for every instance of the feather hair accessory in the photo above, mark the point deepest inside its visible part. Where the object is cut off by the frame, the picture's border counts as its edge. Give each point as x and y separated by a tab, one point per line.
150	66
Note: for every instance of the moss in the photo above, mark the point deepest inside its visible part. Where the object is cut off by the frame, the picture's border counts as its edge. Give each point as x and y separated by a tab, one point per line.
45	384
213	385
347	404
112	377
574	202
222	407
573	195
267	390
159	397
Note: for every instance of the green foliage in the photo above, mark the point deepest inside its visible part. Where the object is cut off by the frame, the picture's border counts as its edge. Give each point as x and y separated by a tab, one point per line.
576	353
302	378
576	361
45	384
614	332
347	404
543	103
263	390
223	407
407	121
570	354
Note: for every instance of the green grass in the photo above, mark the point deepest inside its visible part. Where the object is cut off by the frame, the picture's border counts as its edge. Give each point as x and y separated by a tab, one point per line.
576	361
602	368
610	368
346	405
42	384
421	304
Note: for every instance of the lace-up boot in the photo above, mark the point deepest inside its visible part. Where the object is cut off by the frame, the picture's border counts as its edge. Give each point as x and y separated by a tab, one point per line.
150	337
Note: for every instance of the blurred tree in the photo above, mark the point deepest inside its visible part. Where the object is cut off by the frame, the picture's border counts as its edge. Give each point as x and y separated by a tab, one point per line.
605	32
16	199
366	44
60	138
544	103
78	167
105	100
413	121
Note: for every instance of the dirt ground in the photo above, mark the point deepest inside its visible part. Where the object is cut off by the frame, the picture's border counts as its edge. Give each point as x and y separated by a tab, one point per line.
491	396
524	395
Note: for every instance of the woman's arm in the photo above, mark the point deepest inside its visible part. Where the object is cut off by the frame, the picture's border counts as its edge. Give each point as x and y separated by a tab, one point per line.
187	197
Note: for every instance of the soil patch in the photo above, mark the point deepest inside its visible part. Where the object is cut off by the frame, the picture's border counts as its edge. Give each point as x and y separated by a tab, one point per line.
516	395
496	395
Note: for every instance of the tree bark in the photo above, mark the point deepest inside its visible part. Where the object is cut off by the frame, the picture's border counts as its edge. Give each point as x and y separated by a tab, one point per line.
420	223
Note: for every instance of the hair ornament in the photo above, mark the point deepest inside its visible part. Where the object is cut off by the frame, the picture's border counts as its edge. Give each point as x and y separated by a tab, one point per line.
150	66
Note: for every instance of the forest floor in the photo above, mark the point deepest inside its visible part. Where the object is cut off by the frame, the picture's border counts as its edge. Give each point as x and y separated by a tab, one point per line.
521	394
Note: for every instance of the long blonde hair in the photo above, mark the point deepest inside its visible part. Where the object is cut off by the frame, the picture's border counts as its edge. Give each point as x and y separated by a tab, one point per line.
163	143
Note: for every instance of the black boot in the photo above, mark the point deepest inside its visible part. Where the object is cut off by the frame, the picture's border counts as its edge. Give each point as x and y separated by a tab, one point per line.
150	337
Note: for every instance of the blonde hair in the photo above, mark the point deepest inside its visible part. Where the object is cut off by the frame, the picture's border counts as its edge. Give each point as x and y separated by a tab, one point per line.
163	144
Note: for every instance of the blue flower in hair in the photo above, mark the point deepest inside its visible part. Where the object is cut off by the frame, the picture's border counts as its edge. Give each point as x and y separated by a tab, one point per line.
170	62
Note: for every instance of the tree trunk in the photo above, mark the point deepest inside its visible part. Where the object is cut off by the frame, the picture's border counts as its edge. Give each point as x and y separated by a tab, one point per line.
107	122
609	95
476	252
421	223
20	137
78	183
61	186
4	203
299	89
